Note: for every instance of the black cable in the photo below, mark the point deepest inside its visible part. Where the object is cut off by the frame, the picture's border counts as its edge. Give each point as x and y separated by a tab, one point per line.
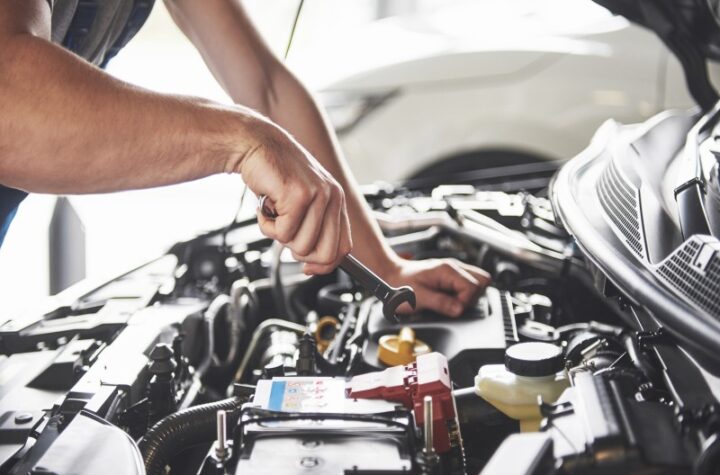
294	27
181	430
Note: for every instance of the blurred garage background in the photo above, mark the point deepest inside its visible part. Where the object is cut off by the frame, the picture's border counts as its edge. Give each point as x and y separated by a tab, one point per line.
414	87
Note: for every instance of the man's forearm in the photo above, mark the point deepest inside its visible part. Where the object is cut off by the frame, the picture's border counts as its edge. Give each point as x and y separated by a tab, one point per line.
67	127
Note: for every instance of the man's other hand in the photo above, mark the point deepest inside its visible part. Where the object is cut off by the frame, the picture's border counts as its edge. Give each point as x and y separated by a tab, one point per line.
446	286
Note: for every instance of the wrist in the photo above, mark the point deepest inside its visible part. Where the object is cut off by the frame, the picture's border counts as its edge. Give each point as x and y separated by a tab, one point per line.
247	136
390	265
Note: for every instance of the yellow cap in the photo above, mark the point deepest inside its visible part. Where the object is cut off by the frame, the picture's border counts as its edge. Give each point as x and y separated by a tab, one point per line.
325	331
401	349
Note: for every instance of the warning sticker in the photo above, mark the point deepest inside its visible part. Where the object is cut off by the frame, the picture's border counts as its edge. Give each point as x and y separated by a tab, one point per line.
302	394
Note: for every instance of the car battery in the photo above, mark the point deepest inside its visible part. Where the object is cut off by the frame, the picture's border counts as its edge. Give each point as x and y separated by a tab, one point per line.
311	425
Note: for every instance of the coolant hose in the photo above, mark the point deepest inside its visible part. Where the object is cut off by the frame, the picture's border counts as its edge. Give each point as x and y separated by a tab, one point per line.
183	429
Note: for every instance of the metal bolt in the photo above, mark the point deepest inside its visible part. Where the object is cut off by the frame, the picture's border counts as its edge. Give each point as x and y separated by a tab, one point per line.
428	428
309	462
23	418
221	444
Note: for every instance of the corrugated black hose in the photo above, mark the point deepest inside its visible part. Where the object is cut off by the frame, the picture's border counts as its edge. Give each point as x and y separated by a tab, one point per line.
182	430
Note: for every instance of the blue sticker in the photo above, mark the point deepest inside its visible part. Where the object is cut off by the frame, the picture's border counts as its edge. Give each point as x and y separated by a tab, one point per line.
277	394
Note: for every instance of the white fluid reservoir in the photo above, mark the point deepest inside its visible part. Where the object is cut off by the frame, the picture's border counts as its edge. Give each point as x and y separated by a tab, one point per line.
531	370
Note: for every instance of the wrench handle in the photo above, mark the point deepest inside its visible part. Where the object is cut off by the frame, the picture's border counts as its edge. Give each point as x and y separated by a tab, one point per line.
365	277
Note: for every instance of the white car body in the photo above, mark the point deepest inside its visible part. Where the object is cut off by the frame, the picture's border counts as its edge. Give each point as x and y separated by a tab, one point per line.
532	77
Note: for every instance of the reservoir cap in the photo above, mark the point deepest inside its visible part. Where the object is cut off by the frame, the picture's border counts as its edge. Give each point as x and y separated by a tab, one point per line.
534	359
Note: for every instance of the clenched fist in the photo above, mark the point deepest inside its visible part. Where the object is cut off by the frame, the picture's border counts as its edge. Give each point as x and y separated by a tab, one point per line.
312	218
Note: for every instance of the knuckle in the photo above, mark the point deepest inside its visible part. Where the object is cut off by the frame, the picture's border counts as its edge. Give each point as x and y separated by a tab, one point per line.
268	233
315	190
335	192
302	249
305	195
267	229
325	258
467	297
324	269
326	191
283	235
345	247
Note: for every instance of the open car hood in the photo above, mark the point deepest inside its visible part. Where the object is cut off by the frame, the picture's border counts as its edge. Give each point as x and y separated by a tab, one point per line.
689	28
641	200
636	202
697	18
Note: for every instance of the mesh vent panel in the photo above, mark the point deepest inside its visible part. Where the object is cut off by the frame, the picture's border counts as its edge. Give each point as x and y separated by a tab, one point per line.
509	324
622	205
703	288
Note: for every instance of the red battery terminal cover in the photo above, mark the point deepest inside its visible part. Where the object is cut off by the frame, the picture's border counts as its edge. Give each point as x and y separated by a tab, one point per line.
408	385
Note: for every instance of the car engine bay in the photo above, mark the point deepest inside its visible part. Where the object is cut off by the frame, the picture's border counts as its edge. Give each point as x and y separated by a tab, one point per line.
595	349
223	358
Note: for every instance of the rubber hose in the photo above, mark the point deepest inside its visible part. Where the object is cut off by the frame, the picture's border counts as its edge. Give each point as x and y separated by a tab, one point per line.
640	360
181	430
236	315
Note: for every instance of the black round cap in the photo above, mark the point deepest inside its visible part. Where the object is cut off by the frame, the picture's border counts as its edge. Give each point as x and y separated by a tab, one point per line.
534	359
162	359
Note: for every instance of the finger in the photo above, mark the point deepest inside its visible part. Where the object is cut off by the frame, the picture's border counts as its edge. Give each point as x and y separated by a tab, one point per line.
291	211
439	302
310	268
344	248
482	276
451	277
310	229
267	225
326	247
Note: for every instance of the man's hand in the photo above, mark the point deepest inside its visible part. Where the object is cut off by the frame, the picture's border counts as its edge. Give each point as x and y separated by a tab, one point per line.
317	231
446	286
311	218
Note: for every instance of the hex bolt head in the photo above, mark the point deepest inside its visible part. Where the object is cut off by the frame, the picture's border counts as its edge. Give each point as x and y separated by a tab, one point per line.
309	462
23	418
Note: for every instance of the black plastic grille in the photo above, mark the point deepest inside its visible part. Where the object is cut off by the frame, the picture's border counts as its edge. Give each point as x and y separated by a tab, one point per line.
622	205
701	287
509	324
